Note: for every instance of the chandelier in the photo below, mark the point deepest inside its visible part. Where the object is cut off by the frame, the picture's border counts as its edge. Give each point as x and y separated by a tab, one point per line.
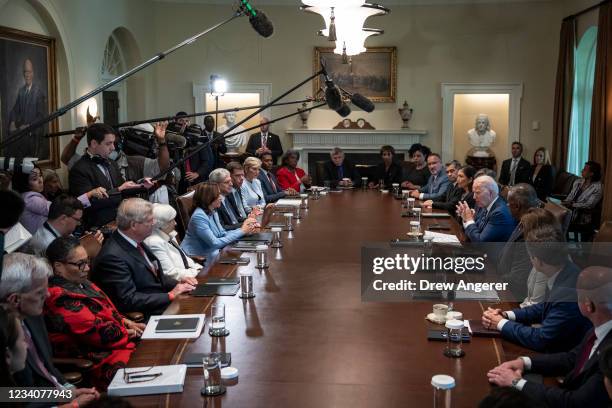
344	22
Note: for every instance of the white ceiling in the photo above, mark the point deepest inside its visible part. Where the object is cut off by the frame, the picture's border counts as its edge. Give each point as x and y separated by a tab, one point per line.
388	3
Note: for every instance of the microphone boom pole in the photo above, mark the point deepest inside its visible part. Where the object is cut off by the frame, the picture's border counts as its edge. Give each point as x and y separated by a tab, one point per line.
61	111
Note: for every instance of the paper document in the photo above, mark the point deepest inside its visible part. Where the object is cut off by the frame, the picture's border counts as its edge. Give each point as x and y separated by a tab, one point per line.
165	379
150	334
289	202
16	237
440	237
488	295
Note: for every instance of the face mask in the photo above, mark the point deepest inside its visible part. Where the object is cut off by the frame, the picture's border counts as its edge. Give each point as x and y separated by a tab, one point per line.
114	155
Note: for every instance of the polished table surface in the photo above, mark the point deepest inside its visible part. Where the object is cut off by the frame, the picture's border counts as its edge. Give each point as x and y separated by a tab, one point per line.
307	339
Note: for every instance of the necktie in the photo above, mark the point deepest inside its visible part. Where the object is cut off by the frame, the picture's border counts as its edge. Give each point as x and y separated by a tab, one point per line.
32	351
239	204
183	257
230	212
513	171
584	356
340	172
264	140
150	266
272	182
106	167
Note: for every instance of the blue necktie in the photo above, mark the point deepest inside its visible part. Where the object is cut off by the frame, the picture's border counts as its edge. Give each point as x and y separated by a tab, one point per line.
230	212
340	172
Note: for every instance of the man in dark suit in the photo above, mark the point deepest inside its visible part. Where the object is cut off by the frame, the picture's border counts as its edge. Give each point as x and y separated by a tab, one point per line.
218	146
228	215
453	194
269	184
197	167
23	291
234	197
516	169
30	105
265	142
337	170
94	170
127	270
492	221
561	326
583	385
514	264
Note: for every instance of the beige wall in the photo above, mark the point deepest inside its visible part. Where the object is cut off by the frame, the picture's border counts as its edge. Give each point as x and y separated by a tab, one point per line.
511	42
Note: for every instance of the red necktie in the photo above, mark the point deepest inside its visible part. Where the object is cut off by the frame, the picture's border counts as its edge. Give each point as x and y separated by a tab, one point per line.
272	182
586	351
151	267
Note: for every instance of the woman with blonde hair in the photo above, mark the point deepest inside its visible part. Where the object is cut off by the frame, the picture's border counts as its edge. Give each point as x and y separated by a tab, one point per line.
542	174
252	193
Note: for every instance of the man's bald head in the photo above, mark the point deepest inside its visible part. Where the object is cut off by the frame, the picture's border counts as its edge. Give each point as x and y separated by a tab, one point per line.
594	287
28	71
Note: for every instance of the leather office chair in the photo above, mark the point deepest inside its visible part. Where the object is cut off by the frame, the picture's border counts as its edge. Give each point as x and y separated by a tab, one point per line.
600	250
563	184
184	203
319	173
562	214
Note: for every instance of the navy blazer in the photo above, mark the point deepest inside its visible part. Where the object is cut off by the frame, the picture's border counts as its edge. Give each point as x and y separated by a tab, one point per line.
393	175
583	389
522	174
272	141
31	376
269	195
562	324
436	187
450	200
514	264
123	273
543	181
495	226
330	172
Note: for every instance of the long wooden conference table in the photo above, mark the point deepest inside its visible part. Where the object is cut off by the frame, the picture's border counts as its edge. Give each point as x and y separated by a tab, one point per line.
307	339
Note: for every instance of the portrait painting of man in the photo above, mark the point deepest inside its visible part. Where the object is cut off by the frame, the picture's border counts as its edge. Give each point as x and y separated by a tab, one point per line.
27	94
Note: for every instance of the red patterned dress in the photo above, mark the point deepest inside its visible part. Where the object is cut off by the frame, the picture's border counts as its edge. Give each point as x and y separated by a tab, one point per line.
83	322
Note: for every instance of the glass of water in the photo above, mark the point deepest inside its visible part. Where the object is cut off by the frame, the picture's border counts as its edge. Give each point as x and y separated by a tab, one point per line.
212	376
217	321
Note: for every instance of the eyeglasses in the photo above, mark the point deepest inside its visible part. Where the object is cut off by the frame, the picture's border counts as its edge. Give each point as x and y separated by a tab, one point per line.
137	376
78	220
81	264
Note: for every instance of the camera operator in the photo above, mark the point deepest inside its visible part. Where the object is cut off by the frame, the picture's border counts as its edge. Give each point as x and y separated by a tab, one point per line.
218	146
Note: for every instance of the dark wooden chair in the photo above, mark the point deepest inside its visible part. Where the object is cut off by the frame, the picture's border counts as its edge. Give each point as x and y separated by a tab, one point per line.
561	213
563	184
184	204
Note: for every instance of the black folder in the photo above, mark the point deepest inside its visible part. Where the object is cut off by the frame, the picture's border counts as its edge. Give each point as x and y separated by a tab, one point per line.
181	324
214	290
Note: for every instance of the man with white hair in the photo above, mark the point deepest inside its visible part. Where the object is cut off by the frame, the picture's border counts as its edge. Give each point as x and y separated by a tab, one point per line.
162	242
23	290
128	271
265	142
492	222
583	385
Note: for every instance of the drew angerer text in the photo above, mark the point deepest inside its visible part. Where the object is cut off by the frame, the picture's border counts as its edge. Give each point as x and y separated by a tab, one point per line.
424	284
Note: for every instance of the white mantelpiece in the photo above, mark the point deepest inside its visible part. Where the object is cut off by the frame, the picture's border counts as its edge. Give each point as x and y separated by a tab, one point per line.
351	140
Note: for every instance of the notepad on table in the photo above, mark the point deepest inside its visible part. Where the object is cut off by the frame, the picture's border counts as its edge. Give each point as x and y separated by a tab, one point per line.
165	379
435	215
177	325
150	332
289	202
440	237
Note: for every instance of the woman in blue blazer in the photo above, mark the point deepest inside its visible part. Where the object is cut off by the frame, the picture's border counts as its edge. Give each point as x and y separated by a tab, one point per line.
205	235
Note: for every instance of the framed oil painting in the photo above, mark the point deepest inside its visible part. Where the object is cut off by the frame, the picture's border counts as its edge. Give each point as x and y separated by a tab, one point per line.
372	73
28	92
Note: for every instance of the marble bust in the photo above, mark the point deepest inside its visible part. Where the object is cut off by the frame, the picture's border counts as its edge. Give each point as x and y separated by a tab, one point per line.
481	137
234	143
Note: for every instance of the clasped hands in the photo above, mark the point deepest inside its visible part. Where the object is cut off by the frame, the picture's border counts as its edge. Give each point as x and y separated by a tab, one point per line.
504	374
491	317
464	211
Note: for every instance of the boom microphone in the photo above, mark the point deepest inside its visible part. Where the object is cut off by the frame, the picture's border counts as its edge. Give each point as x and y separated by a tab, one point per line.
362	102
258	19
344	110
332	95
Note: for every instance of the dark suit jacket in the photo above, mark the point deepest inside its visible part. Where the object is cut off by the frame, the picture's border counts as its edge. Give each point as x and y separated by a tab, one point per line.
232	202
273	142
393	175
584	389
84	176
268	191
122	272
203	162
543	181
226	219
562	324
217	147
27	109
514	264
496	226
330	172
522	175
31	376
451	199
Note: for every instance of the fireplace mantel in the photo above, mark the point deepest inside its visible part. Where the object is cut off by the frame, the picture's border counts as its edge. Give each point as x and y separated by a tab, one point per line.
351	140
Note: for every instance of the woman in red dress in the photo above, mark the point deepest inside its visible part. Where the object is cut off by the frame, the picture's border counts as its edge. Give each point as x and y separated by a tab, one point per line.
289	175
81	320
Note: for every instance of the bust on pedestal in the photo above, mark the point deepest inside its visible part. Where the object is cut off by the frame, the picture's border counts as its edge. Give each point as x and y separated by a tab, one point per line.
235	143
481	137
